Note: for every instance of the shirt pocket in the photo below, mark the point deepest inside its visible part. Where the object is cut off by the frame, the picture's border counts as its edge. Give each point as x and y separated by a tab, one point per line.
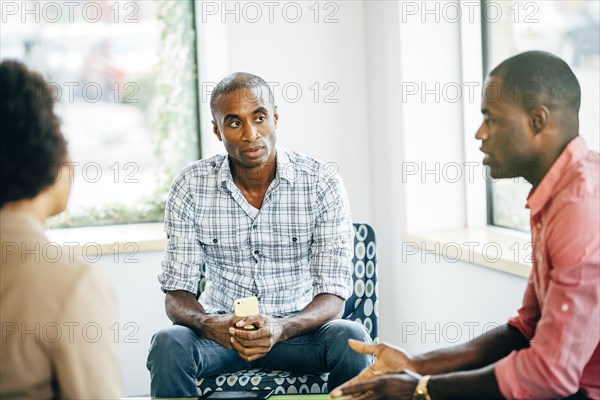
222	248
291	242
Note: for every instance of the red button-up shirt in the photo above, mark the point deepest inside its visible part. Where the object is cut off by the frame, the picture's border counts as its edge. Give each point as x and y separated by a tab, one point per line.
560	314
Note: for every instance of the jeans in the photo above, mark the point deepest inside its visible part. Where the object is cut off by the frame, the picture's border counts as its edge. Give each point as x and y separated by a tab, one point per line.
178	356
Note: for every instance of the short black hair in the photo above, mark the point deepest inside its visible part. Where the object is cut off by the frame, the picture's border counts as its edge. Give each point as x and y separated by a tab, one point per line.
539	78
33	146
236	81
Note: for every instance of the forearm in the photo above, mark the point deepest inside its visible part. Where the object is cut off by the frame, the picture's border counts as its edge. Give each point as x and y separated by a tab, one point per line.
183	309
323	308
465	385
477	353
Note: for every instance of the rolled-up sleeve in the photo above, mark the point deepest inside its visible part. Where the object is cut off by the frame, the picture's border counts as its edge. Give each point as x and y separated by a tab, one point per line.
529	313
183	253
333	241
568	331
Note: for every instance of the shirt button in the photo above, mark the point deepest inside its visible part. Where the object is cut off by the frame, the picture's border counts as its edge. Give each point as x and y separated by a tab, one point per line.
565	307
256	251
538	225
254	226
215	240
294	239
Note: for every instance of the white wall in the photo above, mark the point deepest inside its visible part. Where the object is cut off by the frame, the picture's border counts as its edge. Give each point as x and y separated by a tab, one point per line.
298	55
371	133
403	50
439	303
141	313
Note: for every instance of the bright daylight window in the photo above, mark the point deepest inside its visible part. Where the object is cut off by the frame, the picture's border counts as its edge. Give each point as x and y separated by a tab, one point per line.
126	94
569	29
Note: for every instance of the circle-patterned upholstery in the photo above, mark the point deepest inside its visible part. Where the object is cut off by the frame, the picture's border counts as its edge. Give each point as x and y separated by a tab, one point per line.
283	382
361	307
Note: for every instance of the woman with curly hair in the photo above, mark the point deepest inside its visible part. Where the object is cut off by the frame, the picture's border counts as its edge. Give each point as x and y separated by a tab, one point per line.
56	310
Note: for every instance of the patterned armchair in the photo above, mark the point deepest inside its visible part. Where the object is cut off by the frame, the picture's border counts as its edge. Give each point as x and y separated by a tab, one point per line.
360	307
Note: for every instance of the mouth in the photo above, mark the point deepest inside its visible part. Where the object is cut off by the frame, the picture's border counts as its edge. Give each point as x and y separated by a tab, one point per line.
253	151
486	156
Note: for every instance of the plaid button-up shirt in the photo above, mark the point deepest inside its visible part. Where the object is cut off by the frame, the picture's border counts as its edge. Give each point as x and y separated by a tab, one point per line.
297	245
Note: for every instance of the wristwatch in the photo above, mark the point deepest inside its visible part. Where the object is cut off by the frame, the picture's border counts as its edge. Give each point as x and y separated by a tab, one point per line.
421	392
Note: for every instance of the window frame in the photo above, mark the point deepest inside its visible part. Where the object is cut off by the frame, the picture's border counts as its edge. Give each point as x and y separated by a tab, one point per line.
473	71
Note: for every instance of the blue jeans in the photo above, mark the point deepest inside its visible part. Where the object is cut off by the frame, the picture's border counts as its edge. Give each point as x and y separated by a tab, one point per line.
178	356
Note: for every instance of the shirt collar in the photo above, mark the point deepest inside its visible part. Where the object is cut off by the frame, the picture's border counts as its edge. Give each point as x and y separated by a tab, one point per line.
286	168
575	150
224	173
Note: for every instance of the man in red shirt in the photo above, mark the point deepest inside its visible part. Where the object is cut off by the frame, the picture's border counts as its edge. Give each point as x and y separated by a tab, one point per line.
551	348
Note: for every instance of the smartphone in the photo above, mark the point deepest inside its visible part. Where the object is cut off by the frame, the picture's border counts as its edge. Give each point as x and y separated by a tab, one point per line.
246	307
239	395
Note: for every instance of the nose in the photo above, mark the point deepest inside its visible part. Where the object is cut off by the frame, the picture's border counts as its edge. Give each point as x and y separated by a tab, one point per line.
481	133
250	133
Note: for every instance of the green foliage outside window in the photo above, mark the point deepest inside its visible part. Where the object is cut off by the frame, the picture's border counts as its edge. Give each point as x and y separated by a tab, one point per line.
168	99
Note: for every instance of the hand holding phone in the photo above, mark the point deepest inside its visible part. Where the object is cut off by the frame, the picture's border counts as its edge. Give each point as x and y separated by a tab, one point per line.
245	307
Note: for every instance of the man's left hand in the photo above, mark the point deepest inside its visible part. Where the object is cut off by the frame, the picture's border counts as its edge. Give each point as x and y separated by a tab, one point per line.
254	344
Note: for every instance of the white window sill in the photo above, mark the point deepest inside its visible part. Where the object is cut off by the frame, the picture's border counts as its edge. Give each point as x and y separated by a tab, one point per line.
496	248
111	239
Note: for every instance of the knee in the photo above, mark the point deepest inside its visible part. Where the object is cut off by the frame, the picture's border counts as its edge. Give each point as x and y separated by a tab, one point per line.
345	329
338	333
172	336
345	363
171	342
172	362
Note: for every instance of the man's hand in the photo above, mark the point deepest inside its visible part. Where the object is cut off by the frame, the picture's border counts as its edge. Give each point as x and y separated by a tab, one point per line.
388	359
385	386
254	344
216	328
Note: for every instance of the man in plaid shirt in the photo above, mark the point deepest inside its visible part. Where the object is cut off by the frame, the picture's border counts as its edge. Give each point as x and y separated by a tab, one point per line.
265	222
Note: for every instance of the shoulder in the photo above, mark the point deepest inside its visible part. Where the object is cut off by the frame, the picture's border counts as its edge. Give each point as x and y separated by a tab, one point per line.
586	175
573	215
581	183
195	176
202	168
303	164
74	272
63	277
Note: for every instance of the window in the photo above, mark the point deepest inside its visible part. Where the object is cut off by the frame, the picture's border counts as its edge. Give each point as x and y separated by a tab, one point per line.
126	93
569	29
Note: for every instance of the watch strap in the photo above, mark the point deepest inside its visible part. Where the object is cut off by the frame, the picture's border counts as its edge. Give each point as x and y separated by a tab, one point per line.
421	392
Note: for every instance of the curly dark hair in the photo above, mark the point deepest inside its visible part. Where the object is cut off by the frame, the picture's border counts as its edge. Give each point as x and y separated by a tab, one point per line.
33	146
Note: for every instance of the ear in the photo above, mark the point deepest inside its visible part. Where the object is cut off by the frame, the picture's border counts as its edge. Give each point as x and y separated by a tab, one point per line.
216	131
539	118
275	115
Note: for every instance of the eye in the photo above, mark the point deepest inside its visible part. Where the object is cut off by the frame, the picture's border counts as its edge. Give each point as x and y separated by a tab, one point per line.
235	124
488	121
260	118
